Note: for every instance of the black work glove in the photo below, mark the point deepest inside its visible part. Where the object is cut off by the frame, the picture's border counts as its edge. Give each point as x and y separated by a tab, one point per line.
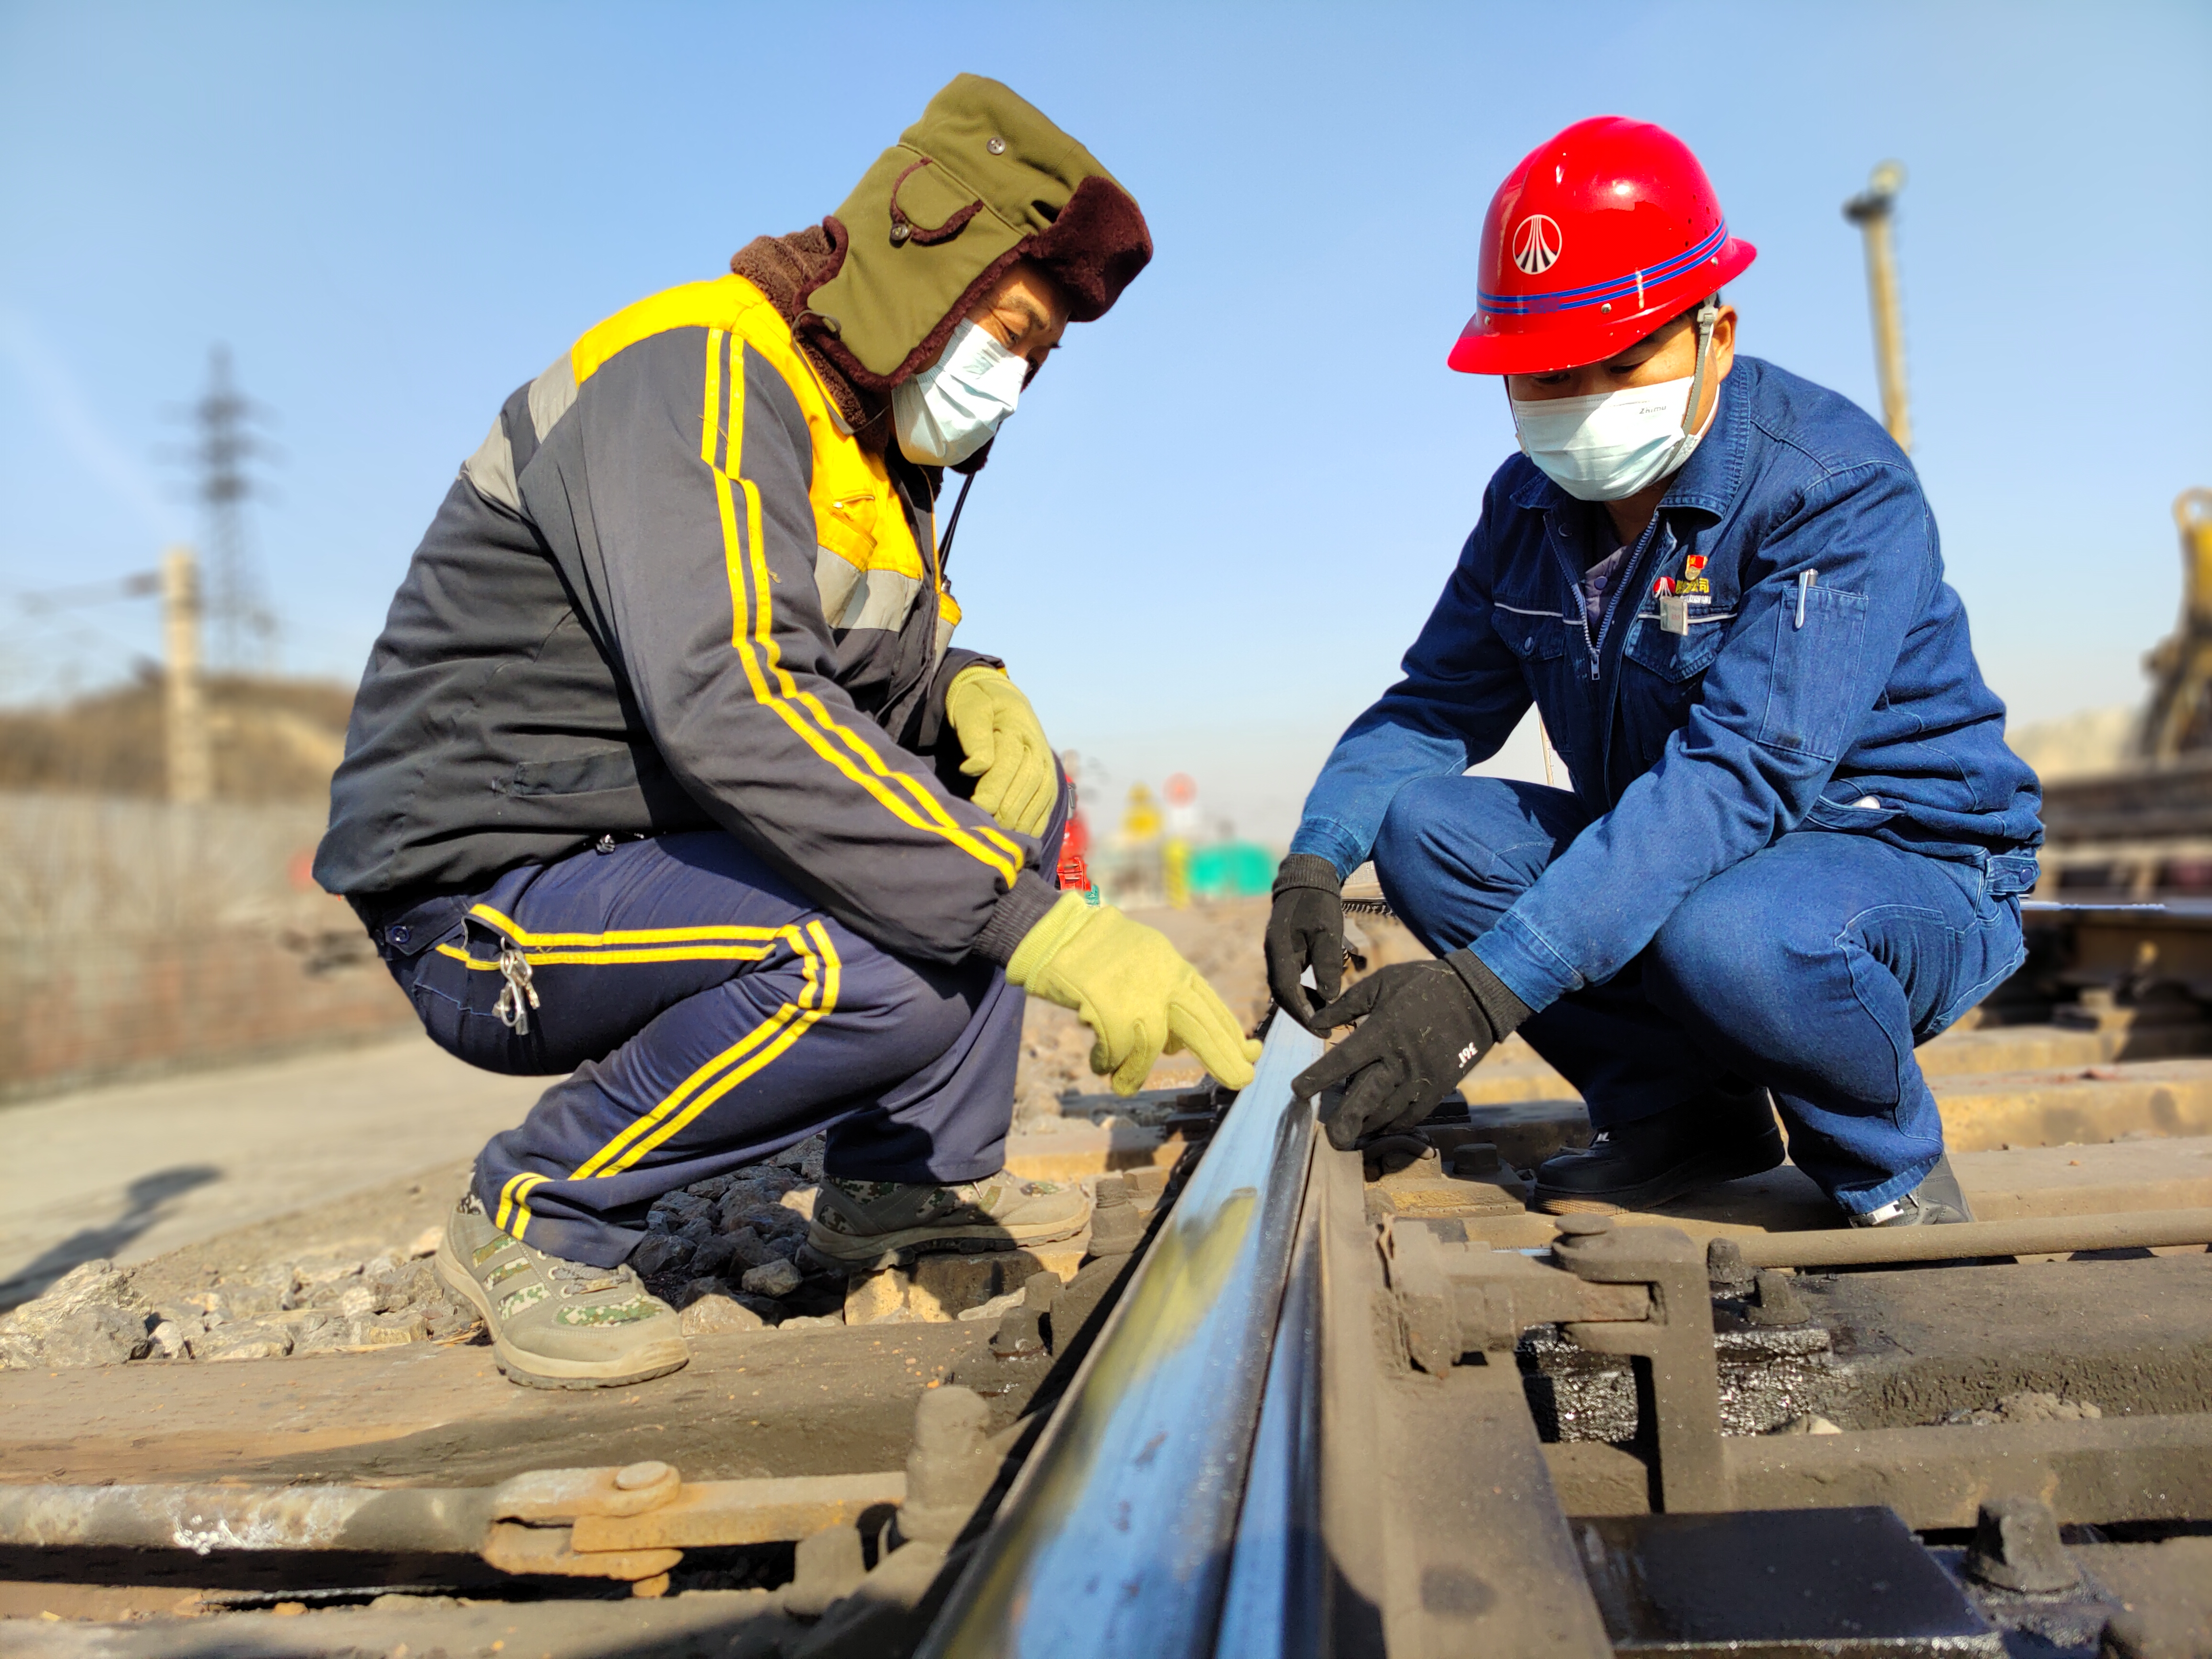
1427	1025
1306	929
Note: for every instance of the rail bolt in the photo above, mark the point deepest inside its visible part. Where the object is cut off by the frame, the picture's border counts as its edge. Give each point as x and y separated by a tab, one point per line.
2017	1547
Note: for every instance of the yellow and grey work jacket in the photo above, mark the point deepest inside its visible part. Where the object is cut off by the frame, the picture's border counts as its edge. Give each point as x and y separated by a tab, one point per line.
671	591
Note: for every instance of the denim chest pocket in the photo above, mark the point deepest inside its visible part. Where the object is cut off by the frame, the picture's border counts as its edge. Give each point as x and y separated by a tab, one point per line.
1531	635
1675	658
1811	695
1540	641
1549	668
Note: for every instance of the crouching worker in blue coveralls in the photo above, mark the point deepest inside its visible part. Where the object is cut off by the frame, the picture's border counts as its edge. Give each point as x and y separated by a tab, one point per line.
663	774
1795	842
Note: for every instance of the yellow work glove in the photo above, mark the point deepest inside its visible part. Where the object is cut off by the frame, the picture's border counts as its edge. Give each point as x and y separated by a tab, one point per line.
1134	990
1006	748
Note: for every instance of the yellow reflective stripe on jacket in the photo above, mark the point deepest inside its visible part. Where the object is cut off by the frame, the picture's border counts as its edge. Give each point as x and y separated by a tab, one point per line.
747	1057
857	512
751	634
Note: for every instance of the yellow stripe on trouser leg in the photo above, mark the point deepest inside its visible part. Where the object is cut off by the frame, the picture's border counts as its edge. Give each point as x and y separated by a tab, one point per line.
758	1049
623	936
511	1203
522	1203
604	1162
734	943
797	1019
615	958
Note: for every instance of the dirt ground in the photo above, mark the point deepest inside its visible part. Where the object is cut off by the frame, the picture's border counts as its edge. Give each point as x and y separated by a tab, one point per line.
352	1273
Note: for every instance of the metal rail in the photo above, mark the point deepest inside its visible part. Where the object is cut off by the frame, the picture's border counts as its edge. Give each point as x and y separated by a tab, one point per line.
1273	1604
1116	1538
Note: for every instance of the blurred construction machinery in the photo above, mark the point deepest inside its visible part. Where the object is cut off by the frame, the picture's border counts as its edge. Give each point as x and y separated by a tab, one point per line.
2178	718
2145	831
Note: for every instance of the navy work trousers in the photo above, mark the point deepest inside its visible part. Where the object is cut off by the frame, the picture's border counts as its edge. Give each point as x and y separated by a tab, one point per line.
1812	968
713	1014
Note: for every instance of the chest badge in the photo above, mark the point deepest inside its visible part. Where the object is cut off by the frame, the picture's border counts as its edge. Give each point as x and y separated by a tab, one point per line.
1674	608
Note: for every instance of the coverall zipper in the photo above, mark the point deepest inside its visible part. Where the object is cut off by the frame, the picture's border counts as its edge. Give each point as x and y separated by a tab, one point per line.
1630	581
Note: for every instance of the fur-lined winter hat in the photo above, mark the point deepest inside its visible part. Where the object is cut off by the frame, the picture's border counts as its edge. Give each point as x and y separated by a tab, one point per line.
983	179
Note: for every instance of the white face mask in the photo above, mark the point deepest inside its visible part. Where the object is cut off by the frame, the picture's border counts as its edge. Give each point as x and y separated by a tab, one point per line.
953	408
1606	448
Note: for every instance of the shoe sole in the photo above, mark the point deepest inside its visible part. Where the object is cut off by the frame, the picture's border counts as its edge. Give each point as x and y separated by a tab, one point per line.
851	1253
1710	1170
542	1371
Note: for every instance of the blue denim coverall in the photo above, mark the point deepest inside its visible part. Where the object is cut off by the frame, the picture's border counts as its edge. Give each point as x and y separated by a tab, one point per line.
1795	839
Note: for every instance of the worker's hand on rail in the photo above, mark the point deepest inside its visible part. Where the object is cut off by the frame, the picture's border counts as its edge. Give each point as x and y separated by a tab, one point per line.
1305	929
1135	990
1006	748
1424	1025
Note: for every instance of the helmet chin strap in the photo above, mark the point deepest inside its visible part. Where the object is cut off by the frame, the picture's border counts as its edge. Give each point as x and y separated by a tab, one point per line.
1709	315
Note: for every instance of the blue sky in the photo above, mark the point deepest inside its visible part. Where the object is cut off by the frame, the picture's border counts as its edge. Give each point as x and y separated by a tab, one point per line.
1214	525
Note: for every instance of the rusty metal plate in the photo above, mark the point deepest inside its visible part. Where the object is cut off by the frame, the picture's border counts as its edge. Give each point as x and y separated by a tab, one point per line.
708	1513
1840	1583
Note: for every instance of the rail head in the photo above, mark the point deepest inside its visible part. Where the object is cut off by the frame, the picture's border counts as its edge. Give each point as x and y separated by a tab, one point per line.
1116	1539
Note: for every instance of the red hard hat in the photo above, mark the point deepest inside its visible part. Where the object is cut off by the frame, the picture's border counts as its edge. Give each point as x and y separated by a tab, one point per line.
1598	237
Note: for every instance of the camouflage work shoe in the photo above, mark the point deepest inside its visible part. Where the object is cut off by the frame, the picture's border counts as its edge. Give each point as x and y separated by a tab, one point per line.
558	1324
871	1224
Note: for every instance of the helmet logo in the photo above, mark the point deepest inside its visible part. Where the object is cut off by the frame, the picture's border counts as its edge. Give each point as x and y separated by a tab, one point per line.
1535	244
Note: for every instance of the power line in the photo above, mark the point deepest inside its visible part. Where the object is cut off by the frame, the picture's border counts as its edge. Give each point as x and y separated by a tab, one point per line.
244	626
45	601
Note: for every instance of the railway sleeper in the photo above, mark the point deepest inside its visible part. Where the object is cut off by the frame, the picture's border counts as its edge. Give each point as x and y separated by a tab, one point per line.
863	1554
1625	1400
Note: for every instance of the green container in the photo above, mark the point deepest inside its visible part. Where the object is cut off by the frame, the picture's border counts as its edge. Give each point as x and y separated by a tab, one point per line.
1232	869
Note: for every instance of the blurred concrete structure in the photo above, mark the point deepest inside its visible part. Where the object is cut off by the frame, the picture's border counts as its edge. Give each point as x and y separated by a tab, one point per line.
135	937
192	768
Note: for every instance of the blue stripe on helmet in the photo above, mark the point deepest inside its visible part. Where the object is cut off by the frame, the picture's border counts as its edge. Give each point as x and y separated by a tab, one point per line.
1576	298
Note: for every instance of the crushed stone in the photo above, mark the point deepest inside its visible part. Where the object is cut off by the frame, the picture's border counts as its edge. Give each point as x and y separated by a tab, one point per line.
2029	1407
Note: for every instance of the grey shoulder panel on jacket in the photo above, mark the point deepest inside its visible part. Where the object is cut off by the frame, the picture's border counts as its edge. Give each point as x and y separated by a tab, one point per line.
523	422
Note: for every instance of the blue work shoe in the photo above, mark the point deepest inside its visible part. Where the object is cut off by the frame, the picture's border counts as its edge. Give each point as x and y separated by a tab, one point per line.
1936	1201
558	1324
1655	1160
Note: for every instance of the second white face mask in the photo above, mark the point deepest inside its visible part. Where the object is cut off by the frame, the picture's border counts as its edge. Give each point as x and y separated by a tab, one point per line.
954	407
1606	448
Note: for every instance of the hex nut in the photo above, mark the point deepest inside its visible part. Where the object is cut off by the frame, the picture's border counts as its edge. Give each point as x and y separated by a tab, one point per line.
1774	1301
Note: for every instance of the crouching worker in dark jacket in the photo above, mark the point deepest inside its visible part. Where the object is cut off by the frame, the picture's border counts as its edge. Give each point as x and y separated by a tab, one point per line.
1795	839
663	774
